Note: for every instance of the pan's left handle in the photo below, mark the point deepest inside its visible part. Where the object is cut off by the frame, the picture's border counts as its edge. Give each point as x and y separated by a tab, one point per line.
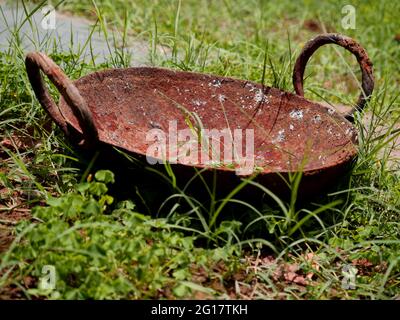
367	78
36	62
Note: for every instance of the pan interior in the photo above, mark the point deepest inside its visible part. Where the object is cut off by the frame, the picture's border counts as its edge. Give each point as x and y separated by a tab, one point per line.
130	106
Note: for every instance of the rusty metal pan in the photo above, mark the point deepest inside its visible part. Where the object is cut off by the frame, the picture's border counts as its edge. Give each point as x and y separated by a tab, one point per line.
118	107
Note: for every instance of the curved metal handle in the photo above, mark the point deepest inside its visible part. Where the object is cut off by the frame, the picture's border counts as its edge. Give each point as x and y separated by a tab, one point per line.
36	61
367	78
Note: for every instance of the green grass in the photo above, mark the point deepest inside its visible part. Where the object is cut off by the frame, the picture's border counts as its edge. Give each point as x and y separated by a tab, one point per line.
151	238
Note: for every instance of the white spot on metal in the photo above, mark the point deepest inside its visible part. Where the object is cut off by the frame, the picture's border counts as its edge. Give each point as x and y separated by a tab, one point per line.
280	137
215	83
221	98
260	97
296	114
316	119
198	103
331	110
349	132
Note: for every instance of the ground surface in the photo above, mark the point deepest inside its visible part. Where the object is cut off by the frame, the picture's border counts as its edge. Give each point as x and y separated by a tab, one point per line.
130	235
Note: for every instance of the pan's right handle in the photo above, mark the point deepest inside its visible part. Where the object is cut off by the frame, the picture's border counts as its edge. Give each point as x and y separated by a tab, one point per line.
367	78
36	62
